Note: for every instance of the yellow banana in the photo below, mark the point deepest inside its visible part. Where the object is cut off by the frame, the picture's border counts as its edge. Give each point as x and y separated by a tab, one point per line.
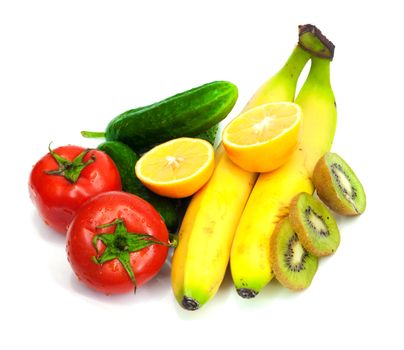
206	234
272	193
201	257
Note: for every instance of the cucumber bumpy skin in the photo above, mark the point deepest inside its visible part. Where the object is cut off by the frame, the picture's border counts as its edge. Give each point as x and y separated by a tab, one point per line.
209	135
186	114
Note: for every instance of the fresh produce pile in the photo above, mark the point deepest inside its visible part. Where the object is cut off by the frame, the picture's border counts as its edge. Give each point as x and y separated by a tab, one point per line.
264	201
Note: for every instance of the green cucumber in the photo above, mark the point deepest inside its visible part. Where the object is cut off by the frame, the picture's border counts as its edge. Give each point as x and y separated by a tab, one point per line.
125	160
210	134
186	114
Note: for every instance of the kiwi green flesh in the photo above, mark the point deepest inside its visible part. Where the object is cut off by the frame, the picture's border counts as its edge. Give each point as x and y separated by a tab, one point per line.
315	225
347	186
295	267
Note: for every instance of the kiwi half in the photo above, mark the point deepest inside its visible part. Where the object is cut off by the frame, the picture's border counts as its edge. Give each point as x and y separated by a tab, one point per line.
314	225
294	267
338	186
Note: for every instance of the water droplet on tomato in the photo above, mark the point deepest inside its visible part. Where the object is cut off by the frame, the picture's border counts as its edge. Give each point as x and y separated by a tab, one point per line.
115	266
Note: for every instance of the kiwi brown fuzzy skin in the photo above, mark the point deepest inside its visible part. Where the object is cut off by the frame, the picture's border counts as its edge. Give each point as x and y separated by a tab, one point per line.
323	183
300	230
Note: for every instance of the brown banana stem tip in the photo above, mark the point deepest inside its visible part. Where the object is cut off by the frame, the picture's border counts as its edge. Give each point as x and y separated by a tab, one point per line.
189	304
246	293
329	47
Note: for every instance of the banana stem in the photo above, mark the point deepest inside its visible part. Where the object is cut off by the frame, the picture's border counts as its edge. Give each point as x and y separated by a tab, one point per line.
320	71
313	41
295	63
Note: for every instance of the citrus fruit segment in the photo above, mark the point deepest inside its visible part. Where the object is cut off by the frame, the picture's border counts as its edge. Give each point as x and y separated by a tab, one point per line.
177	168
261	139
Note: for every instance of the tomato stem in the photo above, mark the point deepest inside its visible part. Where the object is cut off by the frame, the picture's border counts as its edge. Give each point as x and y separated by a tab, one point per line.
70	170
120	244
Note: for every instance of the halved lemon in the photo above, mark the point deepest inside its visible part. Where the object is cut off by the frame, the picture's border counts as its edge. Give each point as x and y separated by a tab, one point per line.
177	168
262	139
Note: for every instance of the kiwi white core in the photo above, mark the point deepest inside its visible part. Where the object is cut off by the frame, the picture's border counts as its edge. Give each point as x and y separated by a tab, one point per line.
295	255
343	182
298	253
317	222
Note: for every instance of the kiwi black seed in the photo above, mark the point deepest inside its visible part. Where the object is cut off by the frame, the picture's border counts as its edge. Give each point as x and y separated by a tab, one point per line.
294	267
338	186
314	225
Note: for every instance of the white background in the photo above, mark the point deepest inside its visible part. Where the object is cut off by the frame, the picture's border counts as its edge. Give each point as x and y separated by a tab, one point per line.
69	66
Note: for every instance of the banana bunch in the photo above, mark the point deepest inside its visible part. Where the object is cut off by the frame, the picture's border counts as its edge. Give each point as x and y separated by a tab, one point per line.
233	216
269	201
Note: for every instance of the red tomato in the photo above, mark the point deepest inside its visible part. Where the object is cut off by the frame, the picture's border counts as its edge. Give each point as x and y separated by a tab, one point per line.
65	178
110	242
